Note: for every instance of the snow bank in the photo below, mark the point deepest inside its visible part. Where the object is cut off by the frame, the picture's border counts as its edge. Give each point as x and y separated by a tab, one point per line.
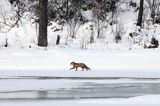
150	100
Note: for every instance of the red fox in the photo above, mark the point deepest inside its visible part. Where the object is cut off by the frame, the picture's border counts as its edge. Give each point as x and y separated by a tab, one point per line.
82	65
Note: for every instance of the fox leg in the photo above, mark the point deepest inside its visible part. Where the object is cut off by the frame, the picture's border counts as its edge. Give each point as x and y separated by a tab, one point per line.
72	68
76	69
82	69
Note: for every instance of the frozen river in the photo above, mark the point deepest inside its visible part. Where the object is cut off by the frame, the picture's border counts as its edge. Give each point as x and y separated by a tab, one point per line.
75	88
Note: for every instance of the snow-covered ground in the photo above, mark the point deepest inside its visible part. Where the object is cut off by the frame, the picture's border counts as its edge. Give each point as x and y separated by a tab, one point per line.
56	62
129	63
137	101
134	66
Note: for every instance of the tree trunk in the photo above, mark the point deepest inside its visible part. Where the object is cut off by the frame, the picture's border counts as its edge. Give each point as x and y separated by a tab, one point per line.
43	20
58	40
140	15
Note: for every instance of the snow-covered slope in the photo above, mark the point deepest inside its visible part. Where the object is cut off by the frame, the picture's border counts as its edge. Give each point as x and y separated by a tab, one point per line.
26	34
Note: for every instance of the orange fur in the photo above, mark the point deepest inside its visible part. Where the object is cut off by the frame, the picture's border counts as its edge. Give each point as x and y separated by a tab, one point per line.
77	65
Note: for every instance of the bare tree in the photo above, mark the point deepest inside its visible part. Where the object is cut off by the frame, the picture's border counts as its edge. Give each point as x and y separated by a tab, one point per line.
101	16
154	9
11	18
43	21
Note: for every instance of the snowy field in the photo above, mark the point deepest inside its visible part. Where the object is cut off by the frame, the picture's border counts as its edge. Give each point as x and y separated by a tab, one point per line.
122	74
118	77
137	101
56	62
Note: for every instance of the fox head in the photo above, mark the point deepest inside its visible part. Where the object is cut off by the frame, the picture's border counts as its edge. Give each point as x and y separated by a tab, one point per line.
72	63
